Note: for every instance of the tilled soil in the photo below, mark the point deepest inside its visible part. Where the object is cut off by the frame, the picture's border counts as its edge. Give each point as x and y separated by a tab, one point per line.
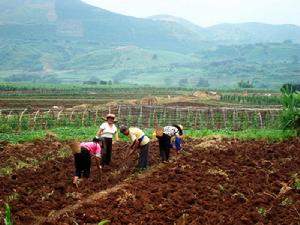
227	182
38	191
10	154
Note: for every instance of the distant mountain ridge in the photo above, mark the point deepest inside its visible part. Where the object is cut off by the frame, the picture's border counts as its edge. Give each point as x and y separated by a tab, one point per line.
71	41
77	20
251	32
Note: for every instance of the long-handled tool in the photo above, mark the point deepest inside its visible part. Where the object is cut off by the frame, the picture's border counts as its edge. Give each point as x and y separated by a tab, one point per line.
99	168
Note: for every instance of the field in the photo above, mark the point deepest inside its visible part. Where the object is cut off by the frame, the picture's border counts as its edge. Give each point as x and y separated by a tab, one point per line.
214	181
36	107
238	166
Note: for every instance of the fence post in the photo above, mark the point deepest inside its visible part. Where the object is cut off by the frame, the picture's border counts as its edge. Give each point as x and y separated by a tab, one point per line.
83	117
140	119
224	118
261	120
212	115
119	113
34	118
96	116
20	119
58	116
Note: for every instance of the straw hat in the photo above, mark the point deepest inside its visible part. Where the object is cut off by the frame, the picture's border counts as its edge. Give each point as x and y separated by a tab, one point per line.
75	147
180	128
113	116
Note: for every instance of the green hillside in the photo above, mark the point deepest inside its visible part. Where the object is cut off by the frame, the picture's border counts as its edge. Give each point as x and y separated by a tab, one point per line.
266	65
68	41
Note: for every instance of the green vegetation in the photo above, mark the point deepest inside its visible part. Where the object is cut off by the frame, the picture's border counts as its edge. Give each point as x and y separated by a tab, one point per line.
262	134
87	133
72	42
260	100
291	111
8	218
262	211
264	65
103	222
297	184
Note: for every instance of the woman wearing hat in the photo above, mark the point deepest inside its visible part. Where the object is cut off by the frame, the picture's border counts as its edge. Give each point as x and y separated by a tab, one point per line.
107	131
83	153
164	136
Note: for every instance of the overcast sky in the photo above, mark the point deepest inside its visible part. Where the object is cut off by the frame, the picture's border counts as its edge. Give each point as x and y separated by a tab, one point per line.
210	12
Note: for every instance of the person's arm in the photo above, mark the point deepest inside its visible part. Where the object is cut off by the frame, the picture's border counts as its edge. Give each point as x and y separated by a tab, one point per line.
97	160
98	155
99	132
133	147
116	137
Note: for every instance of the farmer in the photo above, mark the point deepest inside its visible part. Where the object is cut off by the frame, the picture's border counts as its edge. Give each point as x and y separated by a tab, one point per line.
107	131
164	136
139	141
83	152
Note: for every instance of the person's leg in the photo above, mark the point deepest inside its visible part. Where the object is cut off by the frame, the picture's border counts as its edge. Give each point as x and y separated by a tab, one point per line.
164	145
78	161
108	150
77	176
143	158
161	149
163	154
168	147
103	153
86	167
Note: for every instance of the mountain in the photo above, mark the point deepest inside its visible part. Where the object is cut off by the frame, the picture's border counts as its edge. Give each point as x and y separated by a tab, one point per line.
181	22
75	20
254	33
237	33
70	41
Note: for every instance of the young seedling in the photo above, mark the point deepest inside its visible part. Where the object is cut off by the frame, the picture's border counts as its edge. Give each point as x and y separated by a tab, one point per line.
262	211
103	222
297	184
7	219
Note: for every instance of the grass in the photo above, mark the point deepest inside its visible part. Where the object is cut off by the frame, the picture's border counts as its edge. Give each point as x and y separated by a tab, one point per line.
262	134
87	133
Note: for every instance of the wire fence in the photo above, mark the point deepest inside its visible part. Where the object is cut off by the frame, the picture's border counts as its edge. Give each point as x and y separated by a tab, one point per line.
142	116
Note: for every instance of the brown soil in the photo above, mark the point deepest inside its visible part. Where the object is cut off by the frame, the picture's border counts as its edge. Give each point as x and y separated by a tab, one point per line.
36	192
225	182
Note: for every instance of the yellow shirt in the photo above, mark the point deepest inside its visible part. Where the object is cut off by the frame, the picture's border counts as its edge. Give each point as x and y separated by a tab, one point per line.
136	133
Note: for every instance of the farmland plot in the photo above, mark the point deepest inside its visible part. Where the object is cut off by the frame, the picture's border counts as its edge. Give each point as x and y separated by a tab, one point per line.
214	181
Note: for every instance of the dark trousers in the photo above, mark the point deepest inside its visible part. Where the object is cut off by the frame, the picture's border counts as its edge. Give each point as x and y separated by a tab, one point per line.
164	146
106	151
83	163
143	156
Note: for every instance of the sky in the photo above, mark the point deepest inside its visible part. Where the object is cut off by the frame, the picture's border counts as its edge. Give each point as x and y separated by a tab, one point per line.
209	12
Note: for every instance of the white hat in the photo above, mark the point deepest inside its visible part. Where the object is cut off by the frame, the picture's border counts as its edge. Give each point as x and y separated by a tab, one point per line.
113	116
